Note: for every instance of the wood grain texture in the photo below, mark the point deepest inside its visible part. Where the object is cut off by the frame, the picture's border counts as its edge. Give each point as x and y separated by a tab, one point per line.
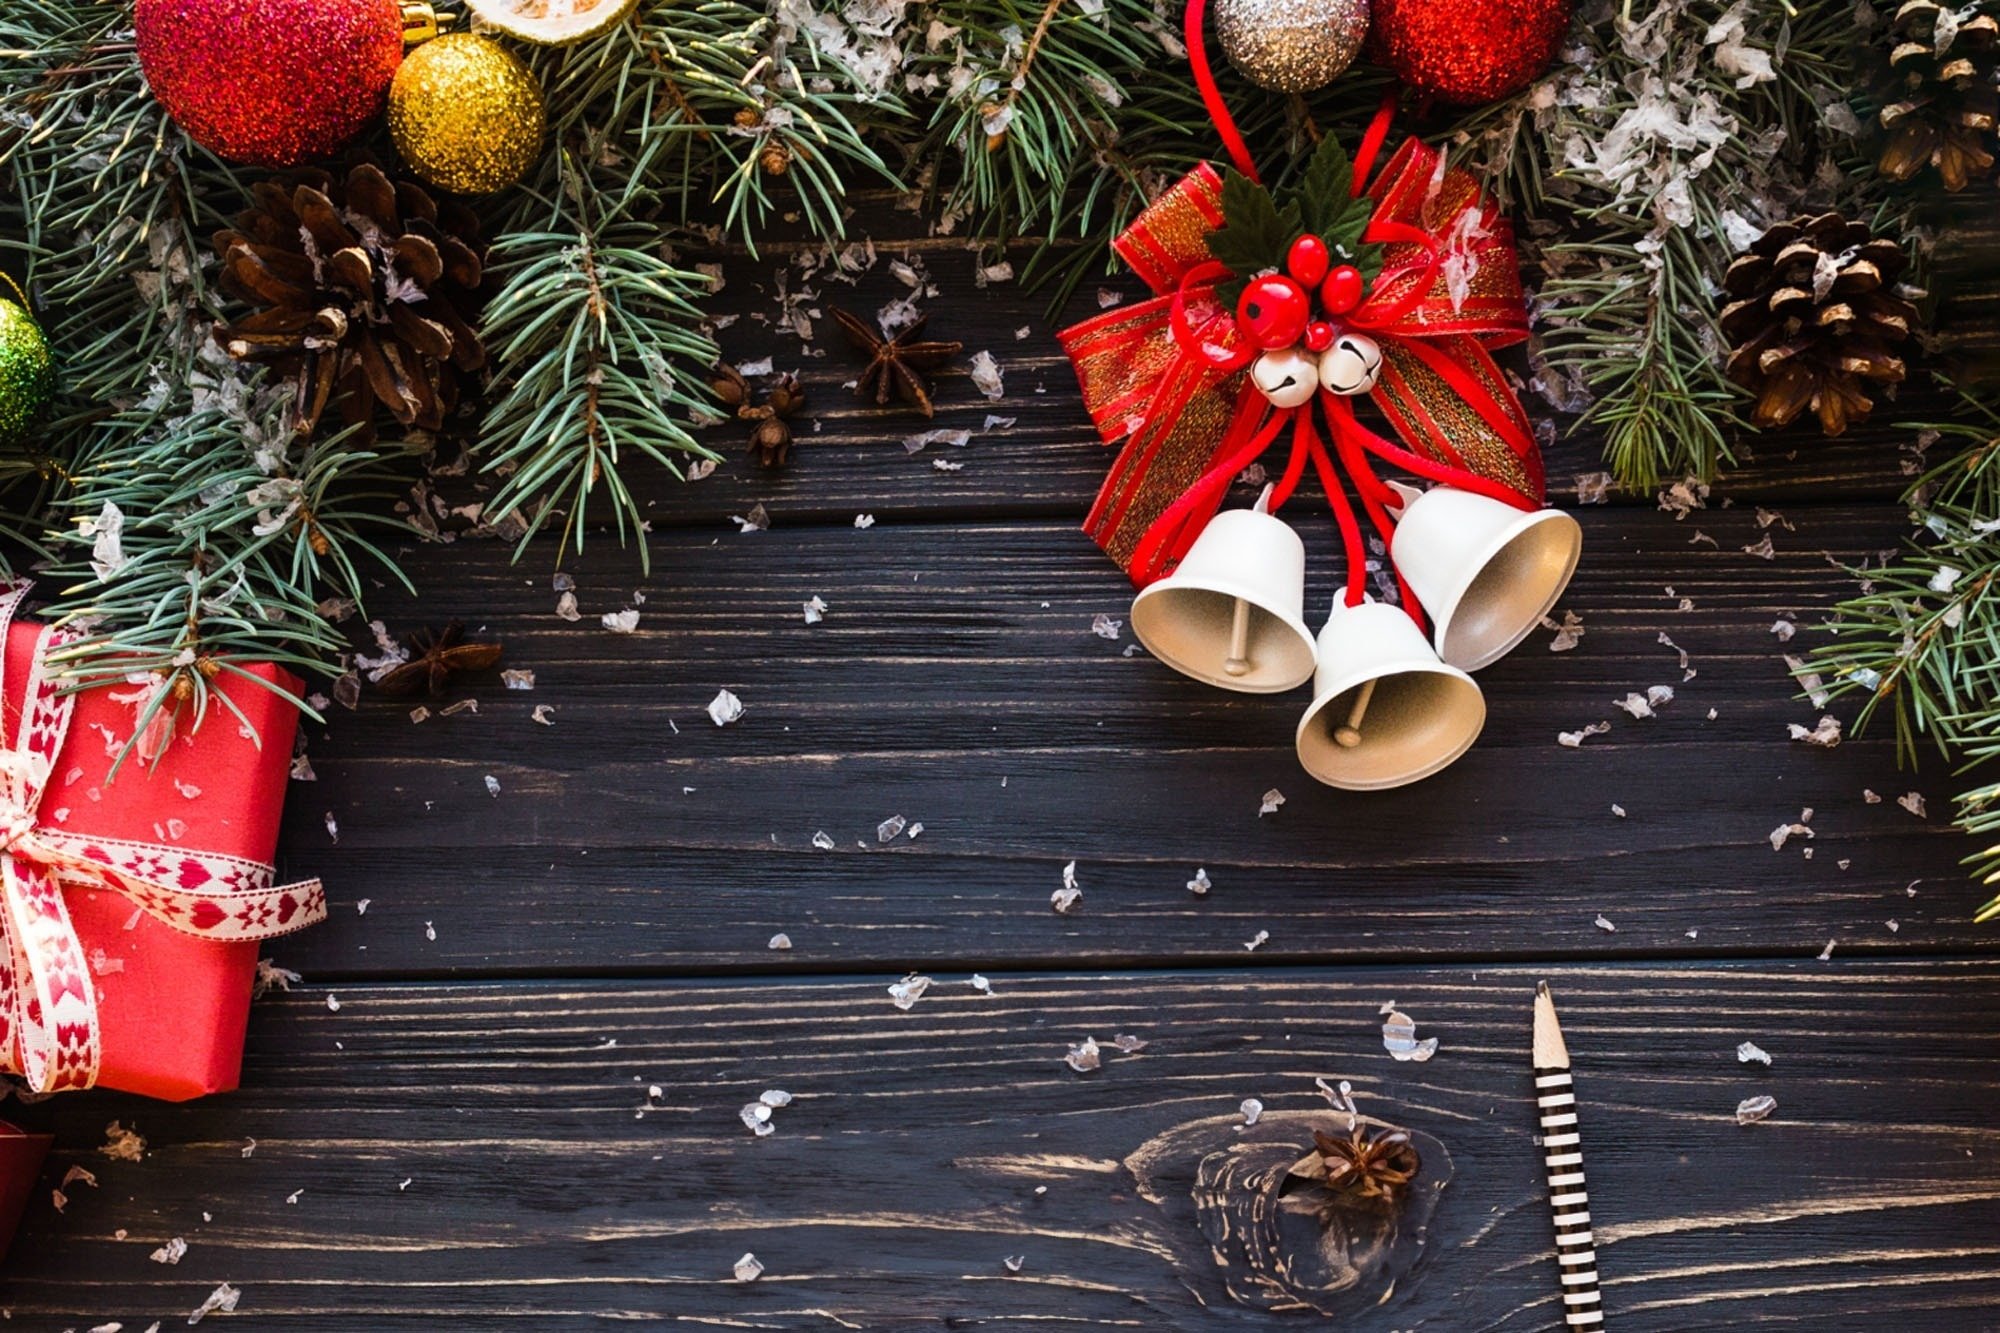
471	1140
547	1189
635	836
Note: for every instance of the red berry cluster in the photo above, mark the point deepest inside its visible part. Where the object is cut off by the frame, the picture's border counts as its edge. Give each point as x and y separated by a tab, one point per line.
1275	311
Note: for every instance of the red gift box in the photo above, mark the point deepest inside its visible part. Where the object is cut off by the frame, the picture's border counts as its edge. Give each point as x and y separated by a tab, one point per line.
164	869
21	1155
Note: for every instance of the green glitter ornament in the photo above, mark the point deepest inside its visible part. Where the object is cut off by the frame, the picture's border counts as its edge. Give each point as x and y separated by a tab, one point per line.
27	371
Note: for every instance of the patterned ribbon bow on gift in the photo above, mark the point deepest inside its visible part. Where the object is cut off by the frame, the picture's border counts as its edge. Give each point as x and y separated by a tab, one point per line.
1170	376
48	1004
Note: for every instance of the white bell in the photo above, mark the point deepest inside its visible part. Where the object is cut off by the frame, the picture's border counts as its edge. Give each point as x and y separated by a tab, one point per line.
1485	571
1385	711
1351	366
1288	377
1233	612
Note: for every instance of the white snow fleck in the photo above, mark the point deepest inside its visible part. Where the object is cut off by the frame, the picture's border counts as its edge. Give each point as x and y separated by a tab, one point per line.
724	708
1251	1109
1752	1109
1084	1056
1750	1053
1271	801
1399	1038
909	990
749	1268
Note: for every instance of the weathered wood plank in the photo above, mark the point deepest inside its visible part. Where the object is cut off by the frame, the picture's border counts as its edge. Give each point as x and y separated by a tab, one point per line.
1043	458
491	1153
635	834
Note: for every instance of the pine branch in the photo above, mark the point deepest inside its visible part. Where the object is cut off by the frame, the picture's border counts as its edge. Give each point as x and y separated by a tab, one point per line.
592	335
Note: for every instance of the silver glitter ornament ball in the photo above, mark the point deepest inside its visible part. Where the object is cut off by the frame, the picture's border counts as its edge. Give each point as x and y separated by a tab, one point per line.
1291	46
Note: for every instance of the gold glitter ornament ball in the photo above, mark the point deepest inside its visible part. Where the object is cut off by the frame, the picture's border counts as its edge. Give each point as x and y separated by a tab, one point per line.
27	373
1291	46
466	114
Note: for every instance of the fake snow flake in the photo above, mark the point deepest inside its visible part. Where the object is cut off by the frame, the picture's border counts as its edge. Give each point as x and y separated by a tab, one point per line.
1084	1057
492	786
1826	735
1763	549
1752	1109
1104	627
170	1253
757	1117
1825	955
822	841
1645	705
1750	1053
1399	1037
749	1268
1128	1044
271	977
1618	809
122	1144
1272	800
220	1301
1893	925
1567	635
566	608
887	830
1571	740
1252	1109
1784	832
909	990
1783	629
815	610
1913	801
864	520
332	827
543	715
1069	895
724	708
1808	680
986	375
302	769
1593	488
1945	578
757	520
332	1003
1604	924
1200	884
518	678
621	622
780	942
1257	941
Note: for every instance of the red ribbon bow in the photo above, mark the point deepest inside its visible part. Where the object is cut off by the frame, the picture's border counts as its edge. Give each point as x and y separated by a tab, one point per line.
1168	375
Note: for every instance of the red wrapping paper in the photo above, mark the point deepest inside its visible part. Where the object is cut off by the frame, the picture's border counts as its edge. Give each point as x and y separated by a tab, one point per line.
21	1155
172	1007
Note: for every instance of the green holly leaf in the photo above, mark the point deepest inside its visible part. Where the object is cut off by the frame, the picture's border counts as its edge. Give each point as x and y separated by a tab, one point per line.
1256	232
1327	187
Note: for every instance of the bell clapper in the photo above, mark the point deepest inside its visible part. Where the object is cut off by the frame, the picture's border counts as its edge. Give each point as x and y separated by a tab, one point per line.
1238	661
1348	734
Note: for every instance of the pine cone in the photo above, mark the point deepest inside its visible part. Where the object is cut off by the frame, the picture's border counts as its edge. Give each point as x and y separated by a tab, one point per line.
1815	315
364	291
1941	93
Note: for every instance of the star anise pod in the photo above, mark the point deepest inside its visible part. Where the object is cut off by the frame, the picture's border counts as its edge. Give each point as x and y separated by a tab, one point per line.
1373	1163
435	657
894	363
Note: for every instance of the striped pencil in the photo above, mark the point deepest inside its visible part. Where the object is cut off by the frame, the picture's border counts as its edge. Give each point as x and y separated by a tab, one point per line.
1576	1250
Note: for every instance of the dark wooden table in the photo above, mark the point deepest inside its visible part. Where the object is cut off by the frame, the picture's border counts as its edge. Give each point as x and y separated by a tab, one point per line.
524	1110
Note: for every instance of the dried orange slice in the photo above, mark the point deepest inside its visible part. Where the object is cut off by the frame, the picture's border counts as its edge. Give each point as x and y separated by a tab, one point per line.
551	22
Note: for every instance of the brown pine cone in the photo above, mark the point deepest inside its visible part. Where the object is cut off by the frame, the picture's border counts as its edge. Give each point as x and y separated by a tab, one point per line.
1815	317
364	292
1941	92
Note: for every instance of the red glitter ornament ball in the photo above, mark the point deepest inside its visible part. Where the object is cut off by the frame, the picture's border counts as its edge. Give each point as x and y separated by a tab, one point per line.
1467	51
270	82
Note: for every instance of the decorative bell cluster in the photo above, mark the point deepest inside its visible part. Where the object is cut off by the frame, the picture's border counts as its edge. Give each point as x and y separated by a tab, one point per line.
1305	351
1389	706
